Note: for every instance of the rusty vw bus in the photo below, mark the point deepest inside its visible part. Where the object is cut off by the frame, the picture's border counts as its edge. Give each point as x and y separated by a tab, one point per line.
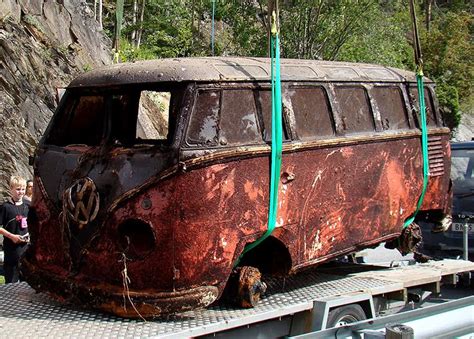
153	176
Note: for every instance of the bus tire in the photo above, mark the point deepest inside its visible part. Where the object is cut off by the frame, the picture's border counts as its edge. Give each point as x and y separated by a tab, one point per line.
250	286
344	315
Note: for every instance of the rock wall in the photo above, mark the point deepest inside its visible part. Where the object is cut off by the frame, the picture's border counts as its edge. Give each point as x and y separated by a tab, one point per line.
465	131
44	44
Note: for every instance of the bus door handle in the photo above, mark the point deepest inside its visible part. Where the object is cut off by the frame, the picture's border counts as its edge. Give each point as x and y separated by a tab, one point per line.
287	177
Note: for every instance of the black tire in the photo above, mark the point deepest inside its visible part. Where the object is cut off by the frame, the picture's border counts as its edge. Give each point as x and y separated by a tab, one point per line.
344	315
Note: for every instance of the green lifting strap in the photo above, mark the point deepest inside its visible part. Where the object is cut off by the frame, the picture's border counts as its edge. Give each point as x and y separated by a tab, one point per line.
421	102
424	142
276	136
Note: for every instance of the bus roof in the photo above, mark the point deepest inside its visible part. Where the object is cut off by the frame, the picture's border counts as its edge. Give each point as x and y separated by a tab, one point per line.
224	69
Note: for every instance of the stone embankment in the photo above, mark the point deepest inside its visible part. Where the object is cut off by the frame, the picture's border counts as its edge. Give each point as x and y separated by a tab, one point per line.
44	44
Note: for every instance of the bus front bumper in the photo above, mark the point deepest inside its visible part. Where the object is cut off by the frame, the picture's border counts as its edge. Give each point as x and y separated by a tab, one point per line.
117	300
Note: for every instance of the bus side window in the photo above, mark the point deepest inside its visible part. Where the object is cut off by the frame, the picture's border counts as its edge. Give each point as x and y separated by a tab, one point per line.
312	115
238	121
153	115
389	100
354	108
204	118
264	104
430	115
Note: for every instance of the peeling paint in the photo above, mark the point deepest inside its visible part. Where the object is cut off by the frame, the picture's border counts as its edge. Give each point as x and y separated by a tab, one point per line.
251	191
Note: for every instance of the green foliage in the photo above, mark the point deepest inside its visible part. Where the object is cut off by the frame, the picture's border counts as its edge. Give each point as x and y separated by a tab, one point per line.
33	21
448	59
168	33
248	32
129	52
382	41
320	31
375	31
86	67
449	104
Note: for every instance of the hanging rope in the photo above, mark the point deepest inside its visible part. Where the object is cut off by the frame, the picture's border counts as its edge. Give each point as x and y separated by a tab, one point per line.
118	30
212	26
277	132
421	102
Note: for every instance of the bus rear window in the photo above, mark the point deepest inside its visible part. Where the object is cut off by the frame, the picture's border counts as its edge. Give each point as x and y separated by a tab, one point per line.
264	104
430	114
238	122
204	120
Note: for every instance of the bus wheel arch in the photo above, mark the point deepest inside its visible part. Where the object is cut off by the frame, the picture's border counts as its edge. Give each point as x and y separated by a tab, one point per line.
245	286
270	257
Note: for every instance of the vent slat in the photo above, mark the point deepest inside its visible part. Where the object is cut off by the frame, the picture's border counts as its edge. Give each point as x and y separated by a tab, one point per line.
436	160
436	156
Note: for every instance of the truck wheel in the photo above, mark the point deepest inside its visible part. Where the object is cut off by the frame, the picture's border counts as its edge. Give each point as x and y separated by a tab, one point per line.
345	315
250	286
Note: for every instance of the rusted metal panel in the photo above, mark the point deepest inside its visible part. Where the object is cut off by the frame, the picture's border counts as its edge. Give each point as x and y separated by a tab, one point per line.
439	153
354	195
324	198
338	199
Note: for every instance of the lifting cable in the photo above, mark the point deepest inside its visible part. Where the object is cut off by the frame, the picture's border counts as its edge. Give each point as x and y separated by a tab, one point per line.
212	26
277	131
421	102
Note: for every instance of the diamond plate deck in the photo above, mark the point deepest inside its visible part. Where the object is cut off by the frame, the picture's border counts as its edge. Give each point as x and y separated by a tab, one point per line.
416	275
27	314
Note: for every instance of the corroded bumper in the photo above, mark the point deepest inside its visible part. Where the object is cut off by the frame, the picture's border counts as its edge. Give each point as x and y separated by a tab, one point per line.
117	300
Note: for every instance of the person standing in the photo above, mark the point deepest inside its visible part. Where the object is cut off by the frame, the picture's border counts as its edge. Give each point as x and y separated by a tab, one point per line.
29	191
14	228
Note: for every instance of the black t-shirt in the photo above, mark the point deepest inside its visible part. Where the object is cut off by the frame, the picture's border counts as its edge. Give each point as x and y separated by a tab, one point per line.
13	219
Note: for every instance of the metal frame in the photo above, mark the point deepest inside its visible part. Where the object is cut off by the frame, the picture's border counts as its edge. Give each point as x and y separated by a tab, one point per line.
450	319
318	316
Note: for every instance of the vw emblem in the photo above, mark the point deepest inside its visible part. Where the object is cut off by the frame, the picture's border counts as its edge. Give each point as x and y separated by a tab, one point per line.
81	201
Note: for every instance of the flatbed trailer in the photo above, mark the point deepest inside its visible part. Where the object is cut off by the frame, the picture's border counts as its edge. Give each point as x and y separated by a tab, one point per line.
294	306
